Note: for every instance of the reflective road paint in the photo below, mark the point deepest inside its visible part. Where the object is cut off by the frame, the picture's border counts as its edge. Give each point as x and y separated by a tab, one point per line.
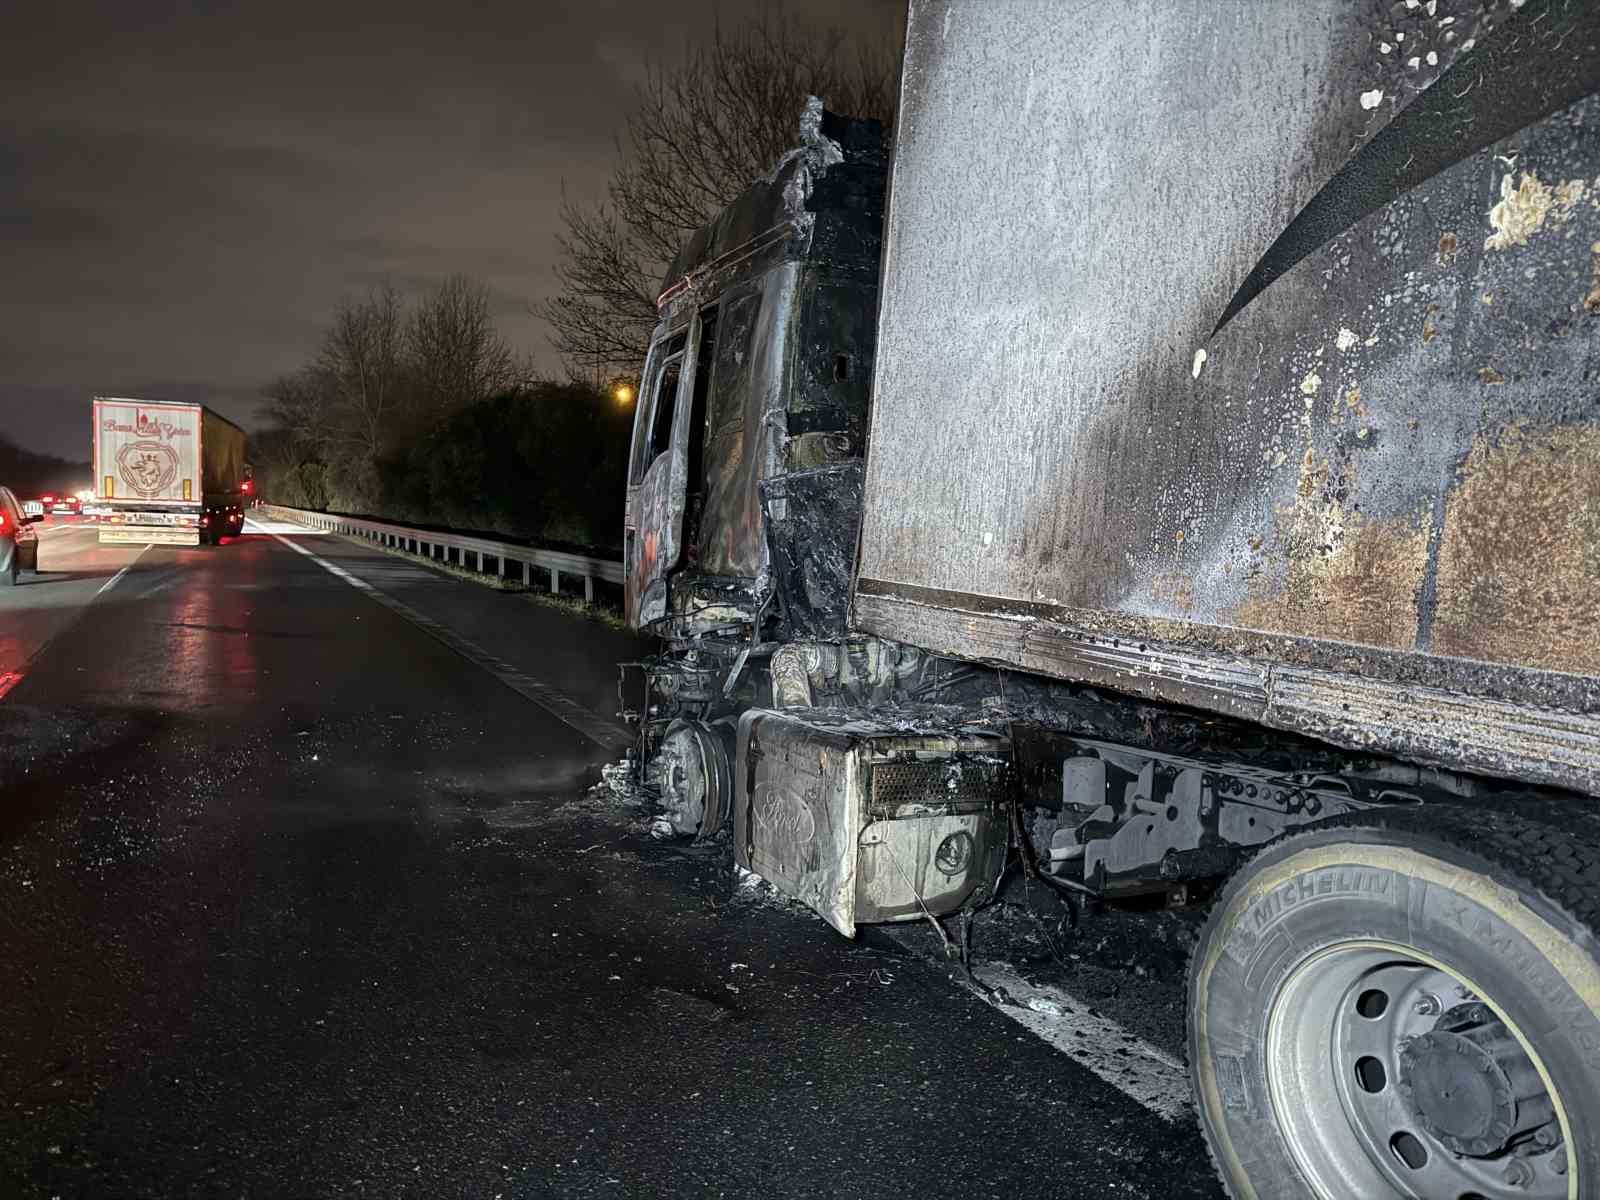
1131	1065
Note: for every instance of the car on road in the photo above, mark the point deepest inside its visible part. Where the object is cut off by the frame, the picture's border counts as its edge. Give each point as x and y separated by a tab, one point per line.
19	543
63	506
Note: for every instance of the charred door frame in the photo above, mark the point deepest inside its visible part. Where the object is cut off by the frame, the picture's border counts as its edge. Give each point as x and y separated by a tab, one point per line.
658	490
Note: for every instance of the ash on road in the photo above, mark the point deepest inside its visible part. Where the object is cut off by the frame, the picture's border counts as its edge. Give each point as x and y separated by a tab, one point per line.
297	901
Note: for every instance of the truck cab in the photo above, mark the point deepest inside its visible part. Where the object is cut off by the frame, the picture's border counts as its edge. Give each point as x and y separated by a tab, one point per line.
744	478
757	371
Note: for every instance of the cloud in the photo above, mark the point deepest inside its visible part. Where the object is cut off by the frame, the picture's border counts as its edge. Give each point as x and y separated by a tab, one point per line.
187	191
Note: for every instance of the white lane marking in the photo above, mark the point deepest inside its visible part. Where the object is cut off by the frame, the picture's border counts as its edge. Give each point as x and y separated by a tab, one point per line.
112	582
592	725
1131	1065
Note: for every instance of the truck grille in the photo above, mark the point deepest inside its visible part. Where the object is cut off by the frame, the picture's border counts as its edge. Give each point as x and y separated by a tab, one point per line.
943	785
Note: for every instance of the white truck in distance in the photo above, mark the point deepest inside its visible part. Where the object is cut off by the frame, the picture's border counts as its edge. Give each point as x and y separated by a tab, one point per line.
171	474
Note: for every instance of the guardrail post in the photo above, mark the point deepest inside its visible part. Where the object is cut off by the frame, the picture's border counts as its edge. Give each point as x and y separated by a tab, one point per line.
527	573
555	580
501	563
588	589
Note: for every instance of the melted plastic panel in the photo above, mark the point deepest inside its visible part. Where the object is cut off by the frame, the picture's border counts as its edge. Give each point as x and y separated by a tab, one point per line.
658	477
812	520
869	816
743	445
796	809
1386	450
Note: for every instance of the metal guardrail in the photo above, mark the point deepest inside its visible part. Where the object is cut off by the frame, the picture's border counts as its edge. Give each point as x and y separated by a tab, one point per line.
433	544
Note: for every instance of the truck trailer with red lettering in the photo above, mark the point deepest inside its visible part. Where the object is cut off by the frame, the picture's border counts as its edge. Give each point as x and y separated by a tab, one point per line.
167	474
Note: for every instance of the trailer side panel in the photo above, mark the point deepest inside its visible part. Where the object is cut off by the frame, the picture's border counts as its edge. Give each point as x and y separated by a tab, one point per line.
1253	366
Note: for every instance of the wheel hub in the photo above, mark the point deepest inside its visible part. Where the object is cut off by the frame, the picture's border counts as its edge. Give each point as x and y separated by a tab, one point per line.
1380	1093
692	776
1469	1083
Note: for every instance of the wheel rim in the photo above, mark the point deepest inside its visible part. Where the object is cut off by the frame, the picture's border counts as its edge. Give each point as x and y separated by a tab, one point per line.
693	778
1392	1075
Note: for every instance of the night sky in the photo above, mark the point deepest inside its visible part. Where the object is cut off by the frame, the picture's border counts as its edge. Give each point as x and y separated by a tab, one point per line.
187	190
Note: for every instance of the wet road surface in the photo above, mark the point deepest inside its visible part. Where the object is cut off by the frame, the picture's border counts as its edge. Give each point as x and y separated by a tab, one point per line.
73	567
297	901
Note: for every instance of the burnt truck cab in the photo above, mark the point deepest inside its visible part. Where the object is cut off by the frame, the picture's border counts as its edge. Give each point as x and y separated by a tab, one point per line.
744	479
758	370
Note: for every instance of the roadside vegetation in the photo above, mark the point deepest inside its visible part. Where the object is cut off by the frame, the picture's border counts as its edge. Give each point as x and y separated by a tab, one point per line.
418	411
414	408
701	131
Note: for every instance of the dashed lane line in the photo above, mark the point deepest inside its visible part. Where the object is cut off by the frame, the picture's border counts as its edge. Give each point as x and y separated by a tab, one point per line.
608	734
1128	1063
112	582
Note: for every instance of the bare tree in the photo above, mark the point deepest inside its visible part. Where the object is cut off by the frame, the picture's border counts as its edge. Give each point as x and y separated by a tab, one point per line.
363	359
455	351
302	404
701	132
605	309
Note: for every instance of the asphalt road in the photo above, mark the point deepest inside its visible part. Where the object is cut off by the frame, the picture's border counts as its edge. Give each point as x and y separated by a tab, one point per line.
73	567
298	900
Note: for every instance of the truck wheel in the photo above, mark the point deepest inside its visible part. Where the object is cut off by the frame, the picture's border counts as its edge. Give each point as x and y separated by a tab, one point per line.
1404	1003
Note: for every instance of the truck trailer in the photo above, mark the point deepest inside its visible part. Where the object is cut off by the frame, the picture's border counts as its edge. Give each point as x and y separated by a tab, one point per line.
1170	464
168	474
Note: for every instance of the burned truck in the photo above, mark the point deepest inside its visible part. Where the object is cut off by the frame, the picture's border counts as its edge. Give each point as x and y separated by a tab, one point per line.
1171	464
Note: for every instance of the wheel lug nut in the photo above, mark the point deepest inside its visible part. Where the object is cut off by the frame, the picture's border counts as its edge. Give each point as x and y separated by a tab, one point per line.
1545	1136
1518	1173
1426	1005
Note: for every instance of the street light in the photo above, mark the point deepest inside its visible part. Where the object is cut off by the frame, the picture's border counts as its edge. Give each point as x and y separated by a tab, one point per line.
623	393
